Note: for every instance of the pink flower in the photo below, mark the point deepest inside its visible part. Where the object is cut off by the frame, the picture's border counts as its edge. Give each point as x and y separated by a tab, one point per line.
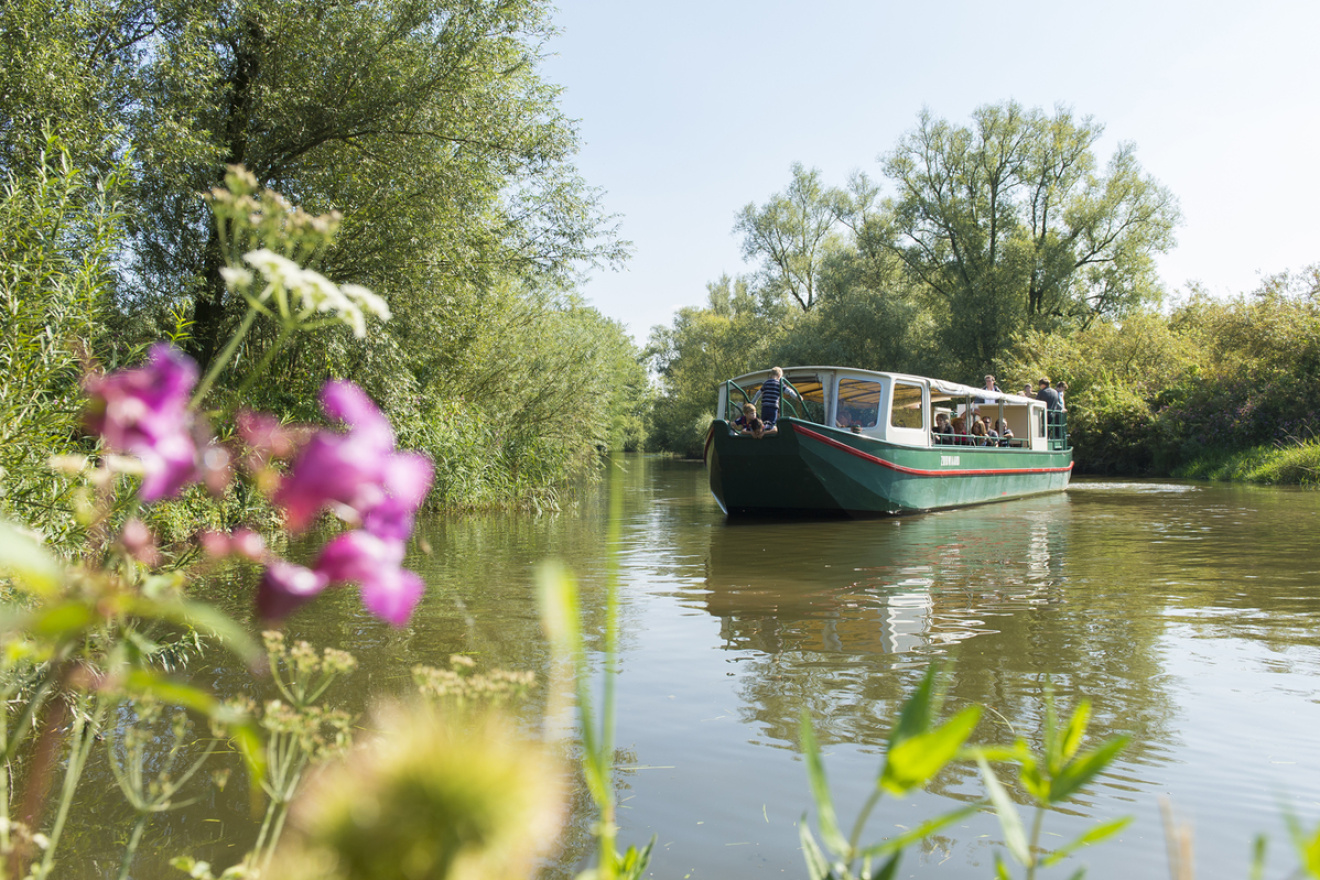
358	473
285	587
143	412
389	591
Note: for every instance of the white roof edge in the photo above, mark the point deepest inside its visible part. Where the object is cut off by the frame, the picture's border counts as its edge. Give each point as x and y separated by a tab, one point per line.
951	388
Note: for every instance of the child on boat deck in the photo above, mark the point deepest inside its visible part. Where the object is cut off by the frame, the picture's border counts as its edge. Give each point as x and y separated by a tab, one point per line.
748	423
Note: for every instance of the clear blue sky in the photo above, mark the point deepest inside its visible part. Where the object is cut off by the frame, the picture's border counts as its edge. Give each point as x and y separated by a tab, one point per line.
690	110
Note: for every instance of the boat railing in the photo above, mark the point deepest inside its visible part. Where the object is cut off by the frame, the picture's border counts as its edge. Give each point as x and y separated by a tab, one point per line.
733	408
1056	428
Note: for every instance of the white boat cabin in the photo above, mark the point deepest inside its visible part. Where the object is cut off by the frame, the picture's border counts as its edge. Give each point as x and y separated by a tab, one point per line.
894	407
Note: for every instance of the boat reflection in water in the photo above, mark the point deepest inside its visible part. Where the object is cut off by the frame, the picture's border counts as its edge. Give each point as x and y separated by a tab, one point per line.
883	586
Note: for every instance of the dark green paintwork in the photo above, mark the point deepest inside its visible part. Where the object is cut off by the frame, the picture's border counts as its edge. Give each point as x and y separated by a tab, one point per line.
791	472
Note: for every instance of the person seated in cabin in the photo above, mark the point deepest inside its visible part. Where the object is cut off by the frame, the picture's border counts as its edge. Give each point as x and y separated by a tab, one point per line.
1005	433
943	432
991	435
978	437
960	431
748	423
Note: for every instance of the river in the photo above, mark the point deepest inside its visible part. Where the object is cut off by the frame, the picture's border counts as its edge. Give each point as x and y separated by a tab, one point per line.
1187	613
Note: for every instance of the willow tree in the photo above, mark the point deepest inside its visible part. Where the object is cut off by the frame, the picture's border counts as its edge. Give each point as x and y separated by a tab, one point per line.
1009	223
792	235
425	122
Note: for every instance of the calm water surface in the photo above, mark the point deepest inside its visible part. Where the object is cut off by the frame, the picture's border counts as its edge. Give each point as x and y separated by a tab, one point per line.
1189	615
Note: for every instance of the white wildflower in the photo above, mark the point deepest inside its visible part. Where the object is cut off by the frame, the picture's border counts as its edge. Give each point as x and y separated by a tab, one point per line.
315	292
369	301
235	278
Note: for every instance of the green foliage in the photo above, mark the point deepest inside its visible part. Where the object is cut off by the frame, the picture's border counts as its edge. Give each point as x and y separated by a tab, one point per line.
1050	777
918	749
733	335
793	234
561	615
1117	373
1006	225
58	234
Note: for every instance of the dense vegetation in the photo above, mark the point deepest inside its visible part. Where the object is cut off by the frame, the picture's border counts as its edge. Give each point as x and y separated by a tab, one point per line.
1007	248
423	128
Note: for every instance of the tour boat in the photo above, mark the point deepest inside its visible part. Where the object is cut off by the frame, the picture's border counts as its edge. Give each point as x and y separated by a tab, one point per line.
863	443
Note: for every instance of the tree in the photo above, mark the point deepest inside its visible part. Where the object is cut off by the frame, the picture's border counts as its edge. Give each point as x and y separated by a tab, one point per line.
792	234
425	122
1006	224
703	348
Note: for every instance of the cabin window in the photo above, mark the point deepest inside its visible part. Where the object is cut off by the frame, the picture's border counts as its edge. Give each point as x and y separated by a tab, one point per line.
906	411
811	404
859	403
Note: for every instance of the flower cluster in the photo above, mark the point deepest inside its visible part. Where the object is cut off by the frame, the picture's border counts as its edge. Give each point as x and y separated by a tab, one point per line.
305	291
144	412
356	474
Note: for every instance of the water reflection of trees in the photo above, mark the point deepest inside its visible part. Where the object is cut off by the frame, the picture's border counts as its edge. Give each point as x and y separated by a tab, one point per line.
843	618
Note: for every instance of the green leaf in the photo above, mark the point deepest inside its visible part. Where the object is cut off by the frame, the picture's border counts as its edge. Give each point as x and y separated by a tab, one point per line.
1308	849
1015	838
29	563
1086	767
1258	858
889	868
818	867
203	617
62	620
1100	832
820	790
919	709
913	761
634	861
1072	735
925	829
1001	870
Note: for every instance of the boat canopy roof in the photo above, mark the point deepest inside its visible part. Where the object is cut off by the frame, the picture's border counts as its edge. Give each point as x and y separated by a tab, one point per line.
939	388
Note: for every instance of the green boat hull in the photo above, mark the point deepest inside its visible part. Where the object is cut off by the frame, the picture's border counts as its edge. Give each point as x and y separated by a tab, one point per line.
808	468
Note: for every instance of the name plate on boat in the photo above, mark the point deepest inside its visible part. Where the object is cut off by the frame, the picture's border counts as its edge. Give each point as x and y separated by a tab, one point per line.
950	460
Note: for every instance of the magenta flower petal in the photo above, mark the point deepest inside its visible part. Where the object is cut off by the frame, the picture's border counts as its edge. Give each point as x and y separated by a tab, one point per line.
332	469
392	594
358	556
143	412
350	404
285	587
407	479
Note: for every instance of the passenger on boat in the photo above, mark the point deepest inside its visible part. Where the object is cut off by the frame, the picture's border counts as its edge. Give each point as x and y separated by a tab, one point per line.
771	389
1026	390
1005	433
1062	388
960	431
1053	408
990	385
943	430
748	423
978	436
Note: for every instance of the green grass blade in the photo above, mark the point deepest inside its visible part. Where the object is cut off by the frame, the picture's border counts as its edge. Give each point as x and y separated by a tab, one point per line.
826	818
1103	831
1015	836
1086	767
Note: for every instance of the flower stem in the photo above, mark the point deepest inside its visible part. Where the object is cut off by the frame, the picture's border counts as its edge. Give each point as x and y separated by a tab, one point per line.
222	359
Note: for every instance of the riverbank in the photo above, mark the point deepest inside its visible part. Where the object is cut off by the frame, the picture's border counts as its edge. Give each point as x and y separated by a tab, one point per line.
1291	464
